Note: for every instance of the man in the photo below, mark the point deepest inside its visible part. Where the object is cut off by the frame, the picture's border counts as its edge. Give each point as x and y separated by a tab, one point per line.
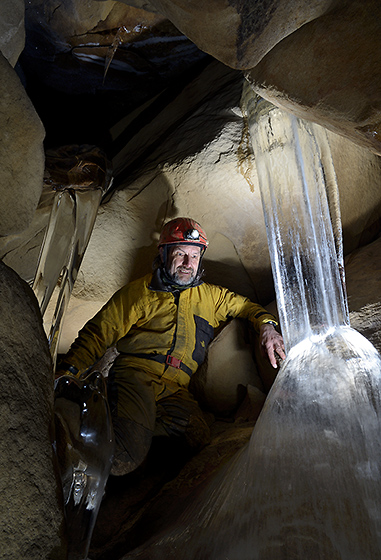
161	325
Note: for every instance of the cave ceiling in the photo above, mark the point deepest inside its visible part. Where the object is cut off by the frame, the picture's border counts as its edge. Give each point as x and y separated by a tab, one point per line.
86	65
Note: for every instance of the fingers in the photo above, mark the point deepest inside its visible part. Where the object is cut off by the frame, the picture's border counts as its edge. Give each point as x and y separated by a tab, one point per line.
272	345
274	352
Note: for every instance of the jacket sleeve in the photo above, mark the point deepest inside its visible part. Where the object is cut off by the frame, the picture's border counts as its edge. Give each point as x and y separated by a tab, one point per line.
230	305
104	330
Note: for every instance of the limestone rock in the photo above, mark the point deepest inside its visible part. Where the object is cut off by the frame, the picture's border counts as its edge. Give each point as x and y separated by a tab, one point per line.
238	33
30	510
70	18
363	274
12	31
329	71
21	153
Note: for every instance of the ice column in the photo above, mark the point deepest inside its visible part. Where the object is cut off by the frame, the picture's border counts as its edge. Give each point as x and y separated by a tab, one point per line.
78	177
84	447
294	163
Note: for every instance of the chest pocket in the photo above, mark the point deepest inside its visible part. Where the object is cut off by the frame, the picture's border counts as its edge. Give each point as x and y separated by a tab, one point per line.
204	334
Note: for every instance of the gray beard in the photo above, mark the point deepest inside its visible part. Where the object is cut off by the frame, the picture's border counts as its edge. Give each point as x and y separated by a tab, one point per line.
177	280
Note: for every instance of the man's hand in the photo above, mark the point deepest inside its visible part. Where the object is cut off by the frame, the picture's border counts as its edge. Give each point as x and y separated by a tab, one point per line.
271	342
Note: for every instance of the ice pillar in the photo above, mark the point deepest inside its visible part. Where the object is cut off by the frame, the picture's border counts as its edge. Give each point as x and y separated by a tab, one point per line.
294	167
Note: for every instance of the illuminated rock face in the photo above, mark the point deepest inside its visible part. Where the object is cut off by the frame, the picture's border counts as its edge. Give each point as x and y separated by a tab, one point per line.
21	154
329	72
31	515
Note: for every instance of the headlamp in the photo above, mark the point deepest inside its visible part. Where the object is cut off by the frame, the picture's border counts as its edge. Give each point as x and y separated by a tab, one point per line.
192	235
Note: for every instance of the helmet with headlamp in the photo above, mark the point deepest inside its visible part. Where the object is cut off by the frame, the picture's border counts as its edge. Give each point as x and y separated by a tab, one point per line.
183	231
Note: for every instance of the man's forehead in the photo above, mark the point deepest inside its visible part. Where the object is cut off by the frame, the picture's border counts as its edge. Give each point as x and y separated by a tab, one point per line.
187	247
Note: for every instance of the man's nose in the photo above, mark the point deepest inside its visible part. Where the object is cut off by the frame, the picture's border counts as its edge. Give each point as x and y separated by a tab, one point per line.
186	259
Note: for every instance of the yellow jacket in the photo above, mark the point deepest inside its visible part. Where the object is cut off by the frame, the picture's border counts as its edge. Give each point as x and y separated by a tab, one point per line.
148	322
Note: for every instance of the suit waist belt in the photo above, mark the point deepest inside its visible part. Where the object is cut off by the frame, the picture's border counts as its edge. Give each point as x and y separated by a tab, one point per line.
165	359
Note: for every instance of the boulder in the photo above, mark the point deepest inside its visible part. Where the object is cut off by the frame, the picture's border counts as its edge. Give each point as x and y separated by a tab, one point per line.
12	31
31	511
21	153
329	71
237	33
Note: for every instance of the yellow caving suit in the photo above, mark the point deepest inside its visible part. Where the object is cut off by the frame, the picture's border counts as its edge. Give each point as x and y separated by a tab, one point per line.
162	334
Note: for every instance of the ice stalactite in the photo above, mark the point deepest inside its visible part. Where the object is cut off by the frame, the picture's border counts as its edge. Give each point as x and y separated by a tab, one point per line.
76	177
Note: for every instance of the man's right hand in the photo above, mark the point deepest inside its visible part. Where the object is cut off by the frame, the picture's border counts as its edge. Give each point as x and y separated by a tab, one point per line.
271	343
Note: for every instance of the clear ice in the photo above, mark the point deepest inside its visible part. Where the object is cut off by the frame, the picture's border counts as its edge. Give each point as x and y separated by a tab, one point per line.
308	484
84	449
77	178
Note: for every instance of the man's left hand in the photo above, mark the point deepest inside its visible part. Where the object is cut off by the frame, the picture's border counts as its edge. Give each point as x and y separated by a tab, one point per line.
271	342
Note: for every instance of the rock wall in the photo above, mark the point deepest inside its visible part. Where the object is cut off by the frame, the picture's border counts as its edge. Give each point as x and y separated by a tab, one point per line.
21	153
31	510
12	30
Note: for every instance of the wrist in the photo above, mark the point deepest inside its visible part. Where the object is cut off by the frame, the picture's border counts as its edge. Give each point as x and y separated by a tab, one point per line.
272	323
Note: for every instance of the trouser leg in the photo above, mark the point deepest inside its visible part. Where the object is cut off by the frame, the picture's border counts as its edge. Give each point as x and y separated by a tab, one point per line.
133	410
179	415
142	406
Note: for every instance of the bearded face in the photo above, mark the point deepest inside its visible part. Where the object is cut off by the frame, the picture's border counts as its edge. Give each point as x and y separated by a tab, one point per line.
182	263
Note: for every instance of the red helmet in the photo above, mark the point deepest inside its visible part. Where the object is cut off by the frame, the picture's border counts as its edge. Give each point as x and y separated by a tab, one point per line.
183	230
